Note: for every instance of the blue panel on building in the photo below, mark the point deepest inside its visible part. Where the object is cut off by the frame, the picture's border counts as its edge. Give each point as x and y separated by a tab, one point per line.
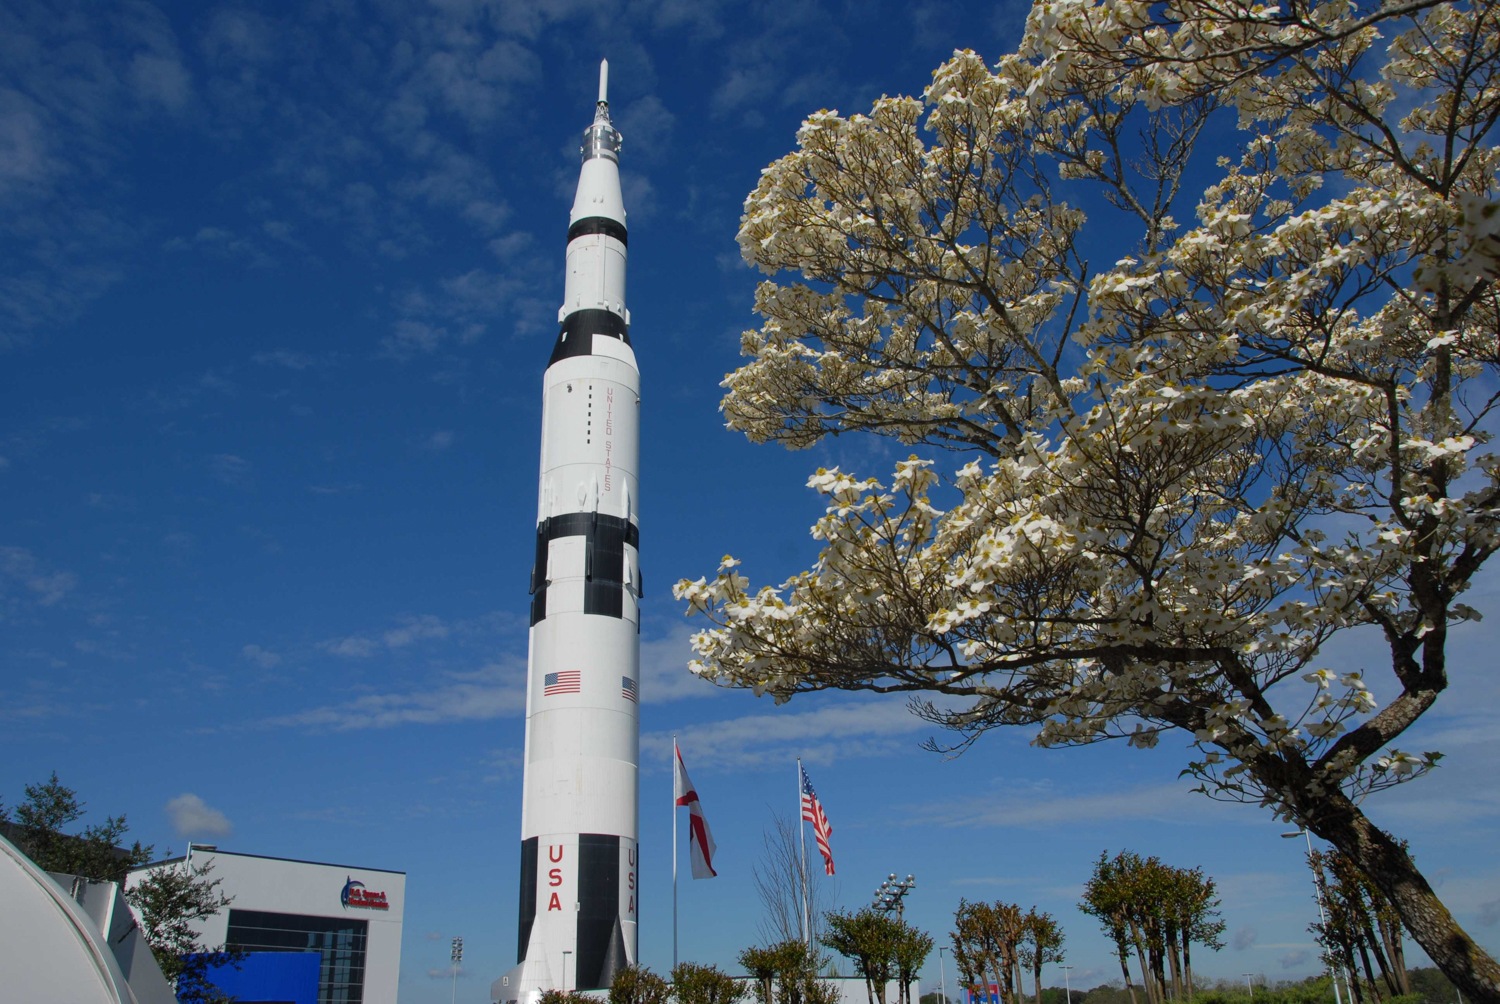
271	978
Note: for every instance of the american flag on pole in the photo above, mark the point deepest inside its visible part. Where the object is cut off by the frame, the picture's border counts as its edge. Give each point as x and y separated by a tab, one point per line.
812	811
567	681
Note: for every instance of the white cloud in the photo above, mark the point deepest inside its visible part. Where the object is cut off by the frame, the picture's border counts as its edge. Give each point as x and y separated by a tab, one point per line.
192	817
1489	913
408	630
838	731
353	647
1040	805
664	672
46	586
228	469
289	358
261	657
440	440
494	691
415	629
647	125
160	79
24	157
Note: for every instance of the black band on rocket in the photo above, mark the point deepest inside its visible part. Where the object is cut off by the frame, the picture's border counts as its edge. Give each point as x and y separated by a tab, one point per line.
604	560
598	225
578	329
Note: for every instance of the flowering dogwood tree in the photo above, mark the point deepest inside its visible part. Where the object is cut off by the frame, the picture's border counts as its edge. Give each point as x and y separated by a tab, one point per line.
1173	448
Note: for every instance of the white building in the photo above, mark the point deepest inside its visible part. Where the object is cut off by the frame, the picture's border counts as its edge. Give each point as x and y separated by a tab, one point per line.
350	915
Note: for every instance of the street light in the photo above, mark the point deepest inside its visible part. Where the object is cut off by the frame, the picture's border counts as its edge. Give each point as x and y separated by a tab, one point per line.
1249	984
890	894
457	955
1067	982
942	975
1333	971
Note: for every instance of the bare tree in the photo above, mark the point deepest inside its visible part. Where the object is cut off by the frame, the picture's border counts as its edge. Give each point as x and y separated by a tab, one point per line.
787	886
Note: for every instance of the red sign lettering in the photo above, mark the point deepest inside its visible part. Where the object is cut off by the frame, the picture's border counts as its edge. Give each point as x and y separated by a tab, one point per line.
368	899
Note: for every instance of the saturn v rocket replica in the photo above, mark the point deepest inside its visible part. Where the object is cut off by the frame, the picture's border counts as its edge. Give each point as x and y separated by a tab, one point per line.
579	805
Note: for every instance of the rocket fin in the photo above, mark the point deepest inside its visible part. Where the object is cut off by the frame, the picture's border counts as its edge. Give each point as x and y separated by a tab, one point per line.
615	959
525	981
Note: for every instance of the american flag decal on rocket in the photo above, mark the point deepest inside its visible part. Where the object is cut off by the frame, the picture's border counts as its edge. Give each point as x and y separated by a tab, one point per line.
567	681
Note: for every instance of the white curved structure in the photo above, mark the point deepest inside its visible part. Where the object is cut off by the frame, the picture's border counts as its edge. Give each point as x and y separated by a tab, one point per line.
52	948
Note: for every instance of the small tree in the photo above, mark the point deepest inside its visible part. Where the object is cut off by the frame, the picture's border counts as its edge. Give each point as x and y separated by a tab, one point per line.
1362	930
1041	943
565	997
94	853
1157	910
912	948
169	902
869	940
986	946
698	984
638	985
787	973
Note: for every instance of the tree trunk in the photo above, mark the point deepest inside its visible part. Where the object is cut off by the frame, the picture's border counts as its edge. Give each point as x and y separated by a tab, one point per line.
1391	936
1351	975
1337	820
1371	945
1364	956
1187	961
1140	958
1125	970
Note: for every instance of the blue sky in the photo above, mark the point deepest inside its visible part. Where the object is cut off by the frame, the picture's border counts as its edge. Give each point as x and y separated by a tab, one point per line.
277	285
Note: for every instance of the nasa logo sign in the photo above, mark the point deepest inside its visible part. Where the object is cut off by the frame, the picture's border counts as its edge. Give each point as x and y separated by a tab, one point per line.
356	895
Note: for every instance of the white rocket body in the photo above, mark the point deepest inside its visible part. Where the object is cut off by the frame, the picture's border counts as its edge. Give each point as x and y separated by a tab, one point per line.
579	817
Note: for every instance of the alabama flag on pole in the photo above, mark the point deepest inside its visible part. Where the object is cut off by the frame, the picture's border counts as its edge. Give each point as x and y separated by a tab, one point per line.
699	839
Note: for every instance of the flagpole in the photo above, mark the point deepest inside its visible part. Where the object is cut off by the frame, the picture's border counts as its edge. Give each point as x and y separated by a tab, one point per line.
802	875
674	848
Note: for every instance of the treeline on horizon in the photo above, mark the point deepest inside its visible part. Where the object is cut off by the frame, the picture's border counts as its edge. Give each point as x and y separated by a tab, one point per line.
1428	986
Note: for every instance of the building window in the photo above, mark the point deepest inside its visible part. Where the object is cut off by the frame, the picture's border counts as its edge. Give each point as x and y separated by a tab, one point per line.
341	942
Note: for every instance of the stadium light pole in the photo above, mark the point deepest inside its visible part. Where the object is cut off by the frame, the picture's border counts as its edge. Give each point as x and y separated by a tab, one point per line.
457	955
942	975
1333	971
1067	982
891	893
